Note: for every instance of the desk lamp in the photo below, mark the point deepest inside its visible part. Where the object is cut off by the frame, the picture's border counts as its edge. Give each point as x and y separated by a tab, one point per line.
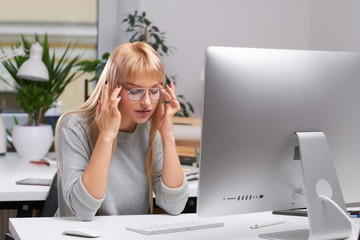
32	69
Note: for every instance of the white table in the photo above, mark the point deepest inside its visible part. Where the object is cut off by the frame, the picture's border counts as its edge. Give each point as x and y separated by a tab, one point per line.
193	188
114	227
13	168
22	197
25	198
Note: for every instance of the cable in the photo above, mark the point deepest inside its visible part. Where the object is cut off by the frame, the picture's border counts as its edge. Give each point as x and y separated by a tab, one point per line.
341	211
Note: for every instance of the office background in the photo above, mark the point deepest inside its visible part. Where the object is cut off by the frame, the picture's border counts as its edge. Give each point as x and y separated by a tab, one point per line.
65	22
191	26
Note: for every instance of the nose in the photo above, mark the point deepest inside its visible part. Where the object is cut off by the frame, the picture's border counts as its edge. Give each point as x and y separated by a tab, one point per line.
145	100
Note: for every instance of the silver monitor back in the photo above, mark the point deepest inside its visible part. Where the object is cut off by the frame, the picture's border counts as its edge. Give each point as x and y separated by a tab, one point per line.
254	102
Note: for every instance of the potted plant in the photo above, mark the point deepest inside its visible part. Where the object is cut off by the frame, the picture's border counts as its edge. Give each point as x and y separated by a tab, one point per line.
35	98
142	30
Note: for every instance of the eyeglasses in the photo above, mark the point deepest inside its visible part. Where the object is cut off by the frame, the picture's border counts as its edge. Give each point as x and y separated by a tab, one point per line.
135	94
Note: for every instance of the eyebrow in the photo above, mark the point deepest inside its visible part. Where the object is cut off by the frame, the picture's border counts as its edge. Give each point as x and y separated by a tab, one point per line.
135	85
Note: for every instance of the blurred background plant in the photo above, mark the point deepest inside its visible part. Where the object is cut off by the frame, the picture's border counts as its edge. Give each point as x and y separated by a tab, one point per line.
35	98
142	30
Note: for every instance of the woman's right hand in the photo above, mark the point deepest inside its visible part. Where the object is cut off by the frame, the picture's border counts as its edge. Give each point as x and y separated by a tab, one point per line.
108	116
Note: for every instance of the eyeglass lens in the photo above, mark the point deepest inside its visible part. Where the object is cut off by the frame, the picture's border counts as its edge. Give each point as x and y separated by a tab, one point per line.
136	93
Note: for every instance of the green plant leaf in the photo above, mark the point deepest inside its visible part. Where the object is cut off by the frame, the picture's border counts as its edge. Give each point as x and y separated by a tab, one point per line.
147	22
37	97
16	122
191	108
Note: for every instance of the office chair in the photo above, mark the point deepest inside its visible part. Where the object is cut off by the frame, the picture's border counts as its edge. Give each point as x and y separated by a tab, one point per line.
50	206
51	202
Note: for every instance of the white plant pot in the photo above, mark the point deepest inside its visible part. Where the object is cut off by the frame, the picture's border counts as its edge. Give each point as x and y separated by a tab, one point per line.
32	141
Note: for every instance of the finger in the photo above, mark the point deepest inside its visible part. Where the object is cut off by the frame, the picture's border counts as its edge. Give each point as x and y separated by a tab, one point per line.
172	108
115	93
105	93
175	104
116	103
166	95
171	90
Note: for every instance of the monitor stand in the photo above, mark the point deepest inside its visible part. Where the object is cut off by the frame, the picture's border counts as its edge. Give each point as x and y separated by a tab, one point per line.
320	178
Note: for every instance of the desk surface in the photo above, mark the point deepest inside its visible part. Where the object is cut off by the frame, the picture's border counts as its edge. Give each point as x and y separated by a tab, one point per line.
114	227
12	169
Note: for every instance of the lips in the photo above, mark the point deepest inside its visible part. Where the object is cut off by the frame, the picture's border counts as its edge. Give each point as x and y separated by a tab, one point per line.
143	112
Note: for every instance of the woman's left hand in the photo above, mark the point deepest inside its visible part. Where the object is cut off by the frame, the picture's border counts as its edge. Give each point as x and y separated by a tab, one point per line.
168	111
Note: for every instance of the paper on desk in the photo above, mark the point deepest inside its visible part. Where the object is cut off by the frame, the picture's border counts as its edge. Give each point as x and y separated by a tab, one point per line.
48	161
191	173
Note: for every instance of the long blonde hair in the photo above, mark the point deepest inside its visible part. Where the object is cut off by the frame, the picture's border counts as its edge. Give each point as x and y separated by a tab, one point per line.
124	63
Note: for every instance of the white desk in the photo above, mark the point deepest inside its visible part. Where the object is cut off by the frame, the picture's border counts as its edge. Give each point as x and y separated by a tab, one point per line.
13	168
25	198
193	188
114	227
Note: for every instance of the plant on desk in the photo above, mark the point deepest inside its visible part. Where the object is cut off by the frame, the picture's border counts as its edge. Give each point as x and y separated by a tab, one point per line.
35	97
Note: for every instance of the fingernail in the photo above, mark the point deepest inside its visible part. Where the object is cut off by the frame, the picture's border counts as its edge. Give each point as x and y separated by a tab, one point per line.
106	81
119	86
119	97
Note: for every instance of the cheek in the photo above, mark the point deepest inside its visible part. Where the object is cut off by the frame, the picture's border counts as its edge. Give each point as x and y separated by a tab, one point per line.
155	105
125	104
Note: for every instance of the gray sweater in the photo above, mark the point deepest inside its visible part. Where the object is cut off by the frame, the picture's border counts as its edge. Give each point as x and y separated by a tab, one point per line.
127	188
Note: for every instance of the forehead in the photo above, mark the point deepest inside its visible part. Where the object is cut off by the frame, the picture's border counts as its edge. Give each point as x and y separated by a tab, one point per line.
143	80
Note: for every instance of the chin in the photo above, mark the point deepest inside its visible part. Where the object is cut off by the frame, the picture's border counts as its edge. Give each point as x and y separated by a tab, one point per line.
141	120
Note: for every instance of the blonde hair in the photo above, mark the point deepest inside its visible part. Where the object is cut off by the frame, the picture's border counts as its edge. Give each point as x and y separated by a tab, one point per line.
124	63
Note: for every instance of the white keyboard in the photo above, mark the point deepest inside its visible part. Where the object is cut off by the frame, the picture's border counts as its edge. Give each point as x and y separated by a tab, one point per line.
155	229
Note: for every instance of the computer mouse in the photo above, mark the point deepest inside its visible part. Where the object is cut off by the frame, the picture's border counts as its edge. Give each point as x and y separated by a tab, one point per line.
82	232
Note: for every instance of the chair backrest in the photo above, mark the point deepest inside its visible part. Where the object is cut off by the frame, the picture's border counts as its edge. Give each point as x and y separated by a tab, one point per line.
51	203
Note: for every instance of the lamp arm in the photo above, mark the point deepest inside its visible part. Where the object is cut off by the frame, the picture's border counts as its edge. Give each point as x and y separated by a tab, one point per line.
15	52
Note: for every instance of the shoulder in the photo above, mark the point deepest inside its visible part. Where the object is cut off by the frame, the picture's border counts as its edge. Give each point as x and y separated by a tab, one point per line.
74	121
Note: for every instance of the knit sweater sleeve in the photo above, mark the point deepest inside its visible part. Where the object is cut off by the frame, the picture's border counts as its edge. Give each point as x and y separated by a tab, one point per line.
171	200
74	151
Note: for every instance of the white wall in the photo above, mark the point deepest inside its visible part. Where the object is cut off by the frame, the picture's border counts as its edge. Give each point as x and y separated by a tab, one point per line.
107	26
110	28
335	25
193	25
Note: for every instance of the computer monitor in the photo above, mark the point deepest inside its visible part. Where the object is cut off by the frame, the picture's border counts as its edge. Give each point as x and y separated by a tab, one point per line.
258	103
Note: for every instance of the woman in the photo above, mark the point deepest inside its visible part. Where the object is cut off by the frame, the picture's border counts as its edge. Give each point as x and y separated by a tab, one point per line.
118	148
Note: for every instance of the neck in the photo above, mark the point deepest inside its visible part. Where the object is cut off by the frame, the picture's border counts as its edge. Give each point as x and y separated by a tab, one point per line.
127	126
